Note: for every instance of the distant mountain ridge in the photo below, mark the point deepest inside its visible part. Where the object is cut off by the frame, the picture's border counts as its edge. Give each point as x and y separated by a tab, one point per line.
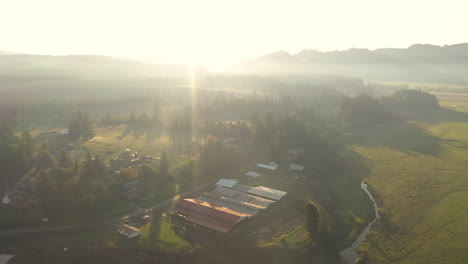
418	63
89	66
5	52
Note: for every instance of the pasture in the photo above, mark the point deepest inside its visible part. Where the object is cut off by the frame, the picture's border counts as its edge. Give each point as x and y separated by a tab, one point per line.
421	192
114	140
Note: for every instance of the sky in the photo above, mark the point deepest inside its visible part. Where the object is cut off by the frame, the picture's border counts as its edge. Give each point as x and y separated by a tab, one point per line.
218	33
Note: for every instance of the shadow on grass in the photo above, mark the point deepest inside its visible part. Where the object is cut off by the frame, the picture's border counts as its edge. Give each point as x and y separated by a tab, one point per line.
399	135
154	231
440	116
150	133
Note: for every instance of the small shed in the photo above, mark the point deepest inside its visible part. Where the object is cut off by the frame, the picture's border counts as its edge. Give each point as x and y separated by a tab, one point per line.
64	131
296	167
228	183
128	230
267	167
6	200
253	174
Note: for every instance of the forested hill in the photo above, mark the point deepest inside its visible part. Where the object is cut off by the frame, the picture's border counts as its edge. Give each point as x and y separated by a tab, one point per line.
89	66
4	52
418	63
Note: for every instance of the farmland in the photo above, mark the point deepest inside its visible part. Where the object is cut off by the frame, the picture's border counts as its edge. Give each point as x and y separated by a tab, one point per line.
421	192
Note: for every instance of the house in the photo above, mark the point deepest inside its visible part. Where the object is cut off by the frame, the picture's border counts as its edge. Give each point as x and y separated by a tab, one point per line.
128	230
131	189
214	217
228	183
296	167
253	174
6	200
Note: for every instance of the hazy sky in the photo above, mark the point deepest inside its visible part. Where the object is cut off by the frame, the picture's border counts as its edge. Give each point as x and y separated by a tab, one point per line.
218	33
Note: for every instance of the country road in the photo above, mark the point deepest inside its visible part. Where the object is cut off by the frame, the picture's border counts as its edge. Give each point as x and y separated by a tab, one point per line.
94	224
89	225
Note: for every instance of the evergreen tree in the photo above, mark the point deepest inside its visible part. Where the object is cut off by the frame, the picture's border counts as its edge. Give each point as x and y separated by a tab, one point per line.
44	160
164	167
312	218
148	178
80	125
64	160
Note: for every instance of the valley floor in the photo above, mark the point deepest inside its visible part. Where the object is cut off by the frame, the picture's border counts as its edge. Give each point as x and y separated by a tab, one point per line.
422	189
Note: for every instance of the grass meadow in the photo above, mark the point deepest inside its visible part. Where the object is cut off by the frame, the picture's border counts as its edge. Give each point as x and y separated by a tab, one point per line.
420	180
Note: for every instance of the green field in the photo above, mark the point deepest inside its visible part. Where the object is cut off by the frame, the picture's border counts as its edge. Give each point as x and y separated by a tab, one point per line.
109	141
103	245
161	234
455	105
422	85
421	190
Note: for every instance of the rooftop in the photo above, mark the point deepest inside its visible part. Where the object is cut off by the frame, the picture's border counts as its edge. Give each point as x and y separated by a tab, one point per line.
253	174
229	183
296	167
239	196
230	203
211	216
267	166
261	191
128	230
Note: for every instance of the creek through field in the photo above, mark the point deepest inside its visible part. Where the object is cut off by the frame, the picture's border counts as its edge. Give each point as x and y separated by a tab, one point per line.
350	254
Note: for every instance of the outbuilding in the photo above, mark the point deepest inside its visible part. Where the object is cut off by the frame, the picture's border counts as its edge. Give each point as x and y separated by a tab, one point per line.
296	167
271	167
228	183
253	174
128	230
214	217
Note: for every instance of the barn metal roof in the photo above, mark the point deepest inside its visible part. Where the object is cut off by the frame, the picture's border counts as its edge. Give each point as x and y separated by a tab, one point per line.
266	166
243	197
211	216
296	167
253	174
261	191
229	183
229	203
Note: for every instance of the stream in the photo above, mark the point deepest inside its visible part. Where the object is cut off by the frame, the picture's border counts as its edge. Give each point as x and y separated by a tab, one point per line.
350	254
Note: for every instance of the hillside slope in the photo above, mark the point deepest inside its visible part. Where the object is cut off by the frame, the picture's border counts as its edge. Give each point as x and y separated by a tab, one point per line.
89	66
418	63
